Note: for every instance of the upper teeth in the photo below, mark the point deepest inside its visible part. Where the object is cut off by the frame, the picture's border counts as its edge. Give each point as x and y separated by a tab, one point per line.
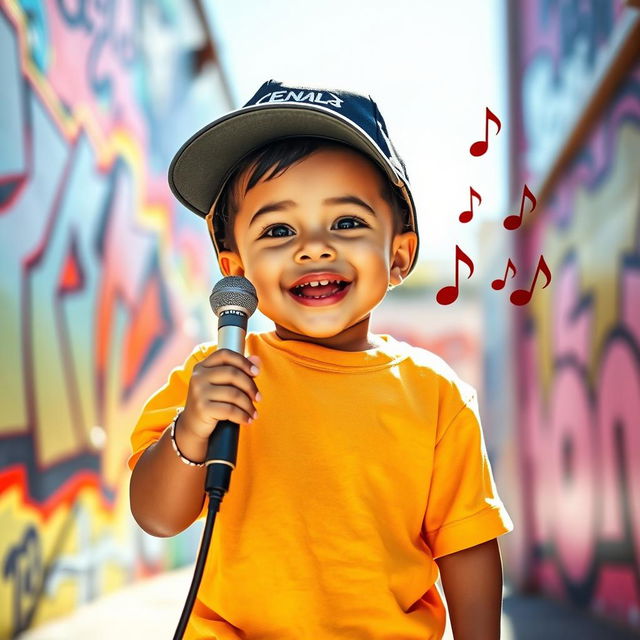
317	283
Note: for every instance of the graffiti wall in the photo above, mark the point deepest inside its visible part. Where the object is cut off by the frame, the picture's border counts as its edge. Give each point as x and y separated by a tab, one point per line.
101	281
577	345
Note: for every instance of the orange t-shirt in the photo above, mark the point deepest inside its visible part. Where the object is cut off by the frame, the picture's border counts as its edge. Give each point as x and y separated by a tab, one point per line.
360	470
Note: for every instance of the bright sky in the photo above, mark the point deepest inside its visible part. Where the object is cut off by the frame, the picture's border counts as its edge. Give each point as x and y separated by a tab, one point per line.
432	67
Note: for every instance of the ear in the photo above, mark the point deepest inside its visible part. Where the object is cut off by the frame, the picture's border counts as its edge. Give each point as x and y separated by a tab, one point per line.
403	251
230	264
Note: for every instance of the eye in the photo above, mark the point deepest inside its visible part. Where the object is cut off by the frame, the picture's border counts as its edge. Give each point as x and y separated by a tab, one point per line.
277	230
348	223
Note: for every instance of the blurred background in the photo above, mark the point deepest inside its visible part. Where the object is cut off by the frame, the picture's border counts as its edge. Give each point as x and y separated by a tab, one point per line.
105	278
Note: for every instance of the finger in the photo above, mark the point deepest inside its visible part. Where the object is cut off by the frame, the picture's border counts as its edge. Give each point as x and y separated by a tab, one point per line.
231	395
232	376
225	411
227	356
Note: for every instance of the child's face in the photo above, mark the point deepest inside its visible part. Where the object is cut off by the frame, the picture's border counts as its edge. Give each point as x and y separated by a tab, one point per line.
306	237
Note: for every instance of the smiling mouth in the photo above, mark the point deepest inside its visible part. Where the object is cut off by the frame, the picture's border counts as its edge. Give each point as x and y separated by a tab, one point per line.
317	291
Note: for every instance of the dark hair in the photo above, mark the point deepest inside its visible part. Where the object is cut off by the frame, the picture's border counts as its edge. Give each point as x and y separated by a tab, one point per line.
280	155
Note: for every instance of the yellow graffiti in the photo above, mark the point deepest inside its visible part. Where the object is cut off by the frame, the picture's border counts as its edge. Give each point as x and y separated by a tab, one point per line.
54	563
603	229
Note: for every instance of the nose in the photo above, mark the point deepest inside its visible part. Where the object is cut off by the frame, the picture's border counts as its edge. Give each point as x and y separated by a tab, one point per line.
313	248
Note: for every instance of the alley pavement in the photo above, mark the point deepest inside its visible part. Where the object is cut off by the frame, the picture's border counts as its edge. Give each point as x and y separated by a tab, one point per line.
151	609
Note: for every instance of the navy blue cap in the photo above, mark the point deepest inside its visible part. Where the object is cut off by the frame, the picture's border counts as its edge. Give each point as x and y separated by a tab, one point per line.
201	167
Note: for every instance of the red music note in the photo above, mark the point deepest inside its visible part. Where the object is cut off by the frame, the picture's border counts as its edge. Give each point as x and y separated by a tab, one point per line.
522	296
449	294
467	216
498	283
512	222
480	147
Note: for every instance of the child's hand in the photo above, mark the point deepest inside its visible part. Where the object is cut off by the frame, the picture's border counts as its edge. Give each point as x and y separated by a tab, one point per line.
221	388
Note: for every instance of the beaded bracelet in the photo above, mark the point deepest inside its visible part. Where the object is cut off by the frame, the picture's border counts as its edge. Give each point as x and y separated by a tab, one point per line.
191	463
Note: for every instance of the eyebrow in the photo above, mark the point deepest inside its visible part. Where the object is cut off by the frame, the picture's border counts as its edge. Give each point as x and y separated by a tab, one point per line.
286	204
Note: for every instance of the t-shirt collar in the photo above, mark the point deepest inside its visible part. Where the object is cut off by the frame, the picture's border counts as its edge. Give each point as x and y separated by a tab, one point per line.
387	353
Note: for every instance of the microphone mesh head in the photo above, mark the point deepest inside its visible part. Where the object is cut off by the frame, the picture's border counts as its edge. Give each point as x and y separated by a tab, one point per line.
234	291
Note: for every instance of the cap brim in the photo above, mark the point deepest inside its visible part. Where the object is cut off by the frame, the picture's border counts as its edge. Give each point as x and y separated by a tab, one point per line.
202	165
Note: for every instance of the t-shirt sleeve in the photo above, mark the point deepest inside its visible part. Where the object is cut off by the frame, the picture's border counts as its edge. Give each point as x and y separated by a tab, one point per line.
463	506
160	409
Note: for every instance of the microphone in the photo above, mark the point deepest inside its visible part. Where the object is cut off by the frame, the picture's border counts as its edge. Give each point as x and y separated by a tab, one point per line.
233	300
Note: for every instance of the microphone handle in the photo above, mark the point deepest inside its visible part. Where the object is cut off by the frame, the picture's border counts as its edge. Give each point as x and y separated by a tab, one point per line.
223	441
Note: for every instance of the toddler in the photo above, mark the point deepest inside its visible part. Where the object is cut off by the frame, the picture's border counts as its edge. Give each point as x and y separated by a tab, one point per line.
362	472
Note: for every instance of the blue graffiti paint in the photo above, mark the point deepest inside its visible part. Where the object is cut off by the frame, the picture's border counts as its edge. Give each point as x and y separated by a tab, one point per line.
23	567
37	33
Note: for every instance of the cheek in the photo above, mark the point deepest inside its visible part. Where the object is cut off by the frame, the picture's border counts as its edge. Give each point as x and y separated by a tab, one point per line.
265	276
376	259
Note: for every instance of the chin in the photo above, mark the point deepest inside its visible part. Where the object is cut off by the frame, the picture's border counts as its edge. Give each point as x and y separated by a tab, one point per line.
328	331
